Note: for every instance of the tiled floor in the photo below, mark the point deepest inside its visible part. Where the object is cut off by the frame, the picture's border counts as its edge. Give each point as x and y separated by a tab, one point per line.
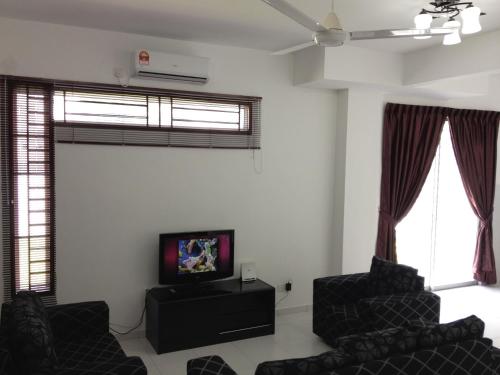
294	337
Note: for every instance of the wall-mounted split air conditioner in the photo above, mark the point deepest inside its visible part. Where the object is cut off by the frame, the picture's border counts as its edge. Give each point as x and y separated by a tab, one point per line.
160	65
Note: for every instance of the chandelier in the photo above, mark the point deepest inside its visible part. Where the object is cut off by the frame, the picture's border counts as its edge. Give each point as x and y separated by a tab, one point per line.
451	9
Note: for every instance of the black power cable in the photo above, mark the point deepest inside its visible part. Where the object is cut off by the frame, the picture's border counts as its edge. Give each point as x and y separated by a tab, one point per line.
141	319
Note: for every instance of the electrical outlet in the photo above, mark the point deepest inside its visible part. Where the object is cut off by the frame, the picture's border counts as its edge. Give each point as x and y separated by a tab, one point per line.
288	286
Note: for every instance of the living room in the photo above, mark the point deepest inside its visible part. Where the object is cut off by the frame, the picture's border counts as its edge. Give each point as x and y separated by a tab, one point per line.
304	204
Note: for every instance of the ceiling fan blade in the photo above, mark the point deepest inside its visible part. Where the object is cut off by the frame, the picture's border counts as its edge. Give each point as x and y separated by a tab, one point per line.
295	14
294	48
399	33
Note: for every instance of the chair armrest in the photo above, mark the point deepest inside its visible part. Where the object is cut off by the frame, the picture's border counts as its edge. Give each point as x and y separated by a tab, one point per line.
125	366
78	320
208	366
341	290
337	291
495	355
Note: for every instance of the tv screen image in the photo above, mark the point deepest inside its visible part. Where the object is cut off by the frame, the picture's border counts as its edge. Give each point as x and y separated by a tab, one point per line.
196	256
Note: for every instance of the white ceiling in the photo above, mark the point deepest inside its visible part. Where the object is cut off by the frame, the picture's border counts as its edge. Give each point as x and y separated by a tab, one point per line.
244	23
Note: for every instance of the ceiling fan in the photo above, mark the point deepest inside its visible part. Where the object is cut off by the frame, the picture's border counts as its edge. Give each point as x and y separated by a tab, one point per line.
330	33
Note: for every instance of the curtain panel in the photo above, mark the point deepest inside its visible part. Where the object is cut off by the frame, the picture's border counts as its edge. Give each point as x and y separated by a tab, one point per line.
474	137
411	136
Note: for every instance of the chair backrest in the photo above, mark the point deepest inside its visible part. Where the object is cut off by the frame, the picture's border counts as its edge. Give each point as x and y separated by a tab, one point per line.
391	278
464	357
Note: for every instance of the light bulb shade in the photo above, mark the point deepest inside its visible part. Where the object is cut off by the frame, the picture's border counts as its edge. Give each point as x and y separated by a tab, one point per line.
470	17
423	21
454	37
331	21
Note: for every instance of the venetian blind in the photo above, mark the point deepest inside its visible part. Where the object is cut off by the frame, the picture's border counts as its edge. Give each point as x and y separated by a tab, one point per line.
31	167
155	118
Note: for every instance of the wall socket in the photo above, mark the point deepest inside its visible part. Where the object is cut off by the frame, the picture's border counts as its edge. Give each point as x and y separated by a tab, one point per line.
286	287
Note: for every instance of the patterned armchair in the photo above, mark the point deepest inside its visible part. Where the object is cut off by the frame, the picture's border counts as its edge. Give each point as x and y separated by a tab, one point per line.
418	349
70	339
388	296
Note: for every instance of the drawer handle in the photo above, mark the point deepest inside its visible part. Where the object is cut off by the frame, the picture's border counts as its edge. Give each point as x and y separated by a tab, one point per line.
244	329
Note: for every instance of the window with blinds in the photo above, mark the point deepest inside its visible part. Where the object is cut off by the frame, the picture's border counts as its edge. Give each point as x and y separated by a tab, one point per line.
32	189
35	113
157	119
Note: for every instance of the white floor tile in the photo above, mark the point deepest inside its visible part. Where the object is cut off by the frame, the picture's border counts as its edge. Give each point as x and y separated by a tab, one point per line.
286	332
261	349
134	346
305	348
174	363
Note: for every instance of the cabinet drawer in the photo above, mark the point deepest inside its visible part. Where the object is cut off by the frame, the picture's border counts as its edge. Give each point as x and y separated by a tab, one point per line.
243	320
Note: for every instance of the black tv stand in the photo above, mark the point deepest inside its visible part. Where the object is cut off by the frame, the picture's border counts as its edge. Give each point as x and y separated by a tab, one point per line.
194	291
184	317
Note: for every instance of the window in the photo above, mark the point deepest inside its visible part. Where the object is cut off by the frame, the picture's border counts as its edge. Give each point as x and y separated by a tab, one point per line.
439	234
31	189
149	111
157	119
36	113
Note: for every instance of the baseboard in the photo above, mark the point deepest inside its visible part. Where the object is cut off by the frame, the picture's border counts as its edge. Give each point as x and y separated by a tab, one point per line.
131	335
293	310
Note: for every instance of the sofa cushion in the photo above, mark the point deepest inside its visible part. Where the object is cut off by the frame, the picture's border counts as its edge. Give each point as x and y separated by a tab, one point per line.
91	349
344	320
314	365
30	337
378	344
6	365
388	277
467	357
124	366
438	334
397	310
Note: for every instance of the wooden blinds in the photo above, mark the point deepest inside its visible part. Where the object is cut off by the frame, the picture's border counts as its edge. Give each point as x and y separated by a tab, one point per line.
32	188
156	118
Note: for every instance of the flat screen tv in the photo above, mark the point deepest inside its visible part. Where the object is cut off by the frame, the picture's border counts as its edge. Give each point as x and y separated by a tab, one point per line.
192	257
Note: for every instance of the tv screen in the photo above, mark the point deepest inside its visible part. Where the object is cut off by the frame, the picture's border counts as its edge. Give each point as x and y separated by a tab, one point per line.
196	256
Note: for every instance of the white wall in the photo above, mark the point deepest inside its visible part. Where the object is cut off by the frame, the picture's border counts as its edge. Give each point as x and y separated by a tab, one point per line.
113	201
362	178
340	169
476	55
363	66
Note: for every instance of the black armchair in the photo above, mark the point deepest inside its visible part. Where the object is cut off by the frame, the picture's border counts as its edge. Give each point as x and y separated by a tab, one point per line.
388	296
78	335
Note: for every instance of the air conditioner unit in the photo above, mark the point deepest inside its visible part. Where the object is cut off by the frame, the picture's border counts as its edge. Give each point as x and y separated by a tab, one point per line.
160	65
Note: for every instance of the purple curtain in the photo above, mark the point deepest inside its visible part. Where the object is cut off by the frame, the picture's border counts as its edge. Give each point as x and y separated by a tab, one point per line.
474	137
411	136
